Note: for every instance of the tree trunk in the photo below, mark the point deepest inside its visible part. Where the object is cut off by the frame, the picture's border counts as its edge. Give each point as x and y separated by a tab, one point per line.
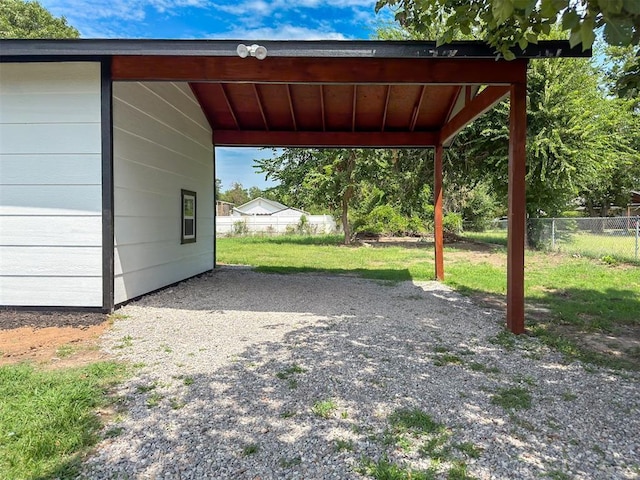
345	220
348	193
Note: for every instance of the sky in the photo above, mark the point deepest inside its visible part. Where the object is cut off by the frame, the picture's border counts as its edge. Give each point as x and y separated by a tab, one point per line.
224	19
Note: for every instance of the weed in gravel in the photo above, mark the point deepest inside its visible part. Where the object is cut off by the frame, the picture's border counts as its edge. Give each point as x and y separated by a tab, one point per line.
415	420
446	359
441	349
343	445
469	449
113	432
127	341
154	400
166	348
188	381
288	414
293	383
436	448
383	469
250	449
568	396
324	408
176	404
479	367
289	372
512	398
290	462
505	339
558	475
139	365
116	316
146	388
459	472
525	379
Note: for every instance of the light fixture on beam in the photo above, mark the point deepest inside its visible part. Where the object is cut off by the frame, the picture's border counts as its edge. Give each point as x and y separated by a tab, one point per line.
254	50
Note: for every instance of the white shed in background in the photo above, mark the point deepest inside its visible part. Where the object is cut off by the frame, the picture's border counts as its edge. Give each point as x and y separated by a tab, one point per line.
264	206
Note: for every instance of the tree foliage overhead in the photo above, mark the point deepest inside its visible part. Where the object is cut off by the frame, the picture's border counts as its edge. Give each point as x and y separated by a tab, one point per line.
20	19
506	24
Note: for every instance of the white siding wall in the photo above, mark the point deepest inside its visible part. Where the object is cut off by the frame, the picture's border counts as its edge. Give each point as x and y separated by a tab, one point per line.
50	185
162	144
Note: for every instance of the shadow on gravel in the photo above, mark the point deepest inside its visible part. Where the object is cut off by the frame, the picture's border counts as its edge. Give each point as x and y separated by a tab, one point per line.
365	352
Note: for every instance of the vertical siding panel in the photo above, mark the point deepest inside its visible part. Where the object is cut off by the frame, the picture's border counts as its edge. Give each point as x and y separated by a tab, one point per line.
160	147
50	184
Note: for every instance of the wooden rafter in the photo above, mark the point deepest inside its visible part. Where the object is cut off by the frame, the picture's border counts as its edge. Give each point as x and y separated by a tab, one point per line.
354	107
416	109
386	108
293	113
322	107
229	138
261	106
476	107
229	106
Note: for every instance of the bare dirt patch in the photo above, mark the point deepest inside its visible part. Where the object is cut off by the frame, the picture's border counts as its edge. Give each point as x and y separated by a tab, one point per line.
55	339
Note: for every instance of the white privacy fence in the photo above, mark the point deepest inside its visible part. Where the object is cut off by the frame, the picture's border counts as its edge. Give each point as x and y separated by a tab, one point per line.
274	225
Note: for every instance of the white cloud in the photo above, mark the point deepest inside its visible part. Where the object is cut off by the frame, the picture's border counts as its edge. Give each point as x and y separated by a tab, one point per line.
281	32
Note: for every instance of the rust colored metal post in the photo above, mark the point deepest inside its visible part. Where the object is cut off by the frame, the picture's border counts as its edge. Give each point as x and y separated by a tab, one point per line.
437	213
517	207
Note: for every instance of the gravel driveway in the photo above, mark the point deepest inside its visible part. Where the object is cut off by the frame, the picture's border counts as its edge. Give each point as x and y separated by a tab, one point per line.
242	375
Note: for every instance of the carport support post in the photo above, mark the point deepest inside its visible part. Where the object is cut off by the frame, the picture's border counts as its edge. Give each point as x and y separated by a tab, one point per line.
517	207
437	213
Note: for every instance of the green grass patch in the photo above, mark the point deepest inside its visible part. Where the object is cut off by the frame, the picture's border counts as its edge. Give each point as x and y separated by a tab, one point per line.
512	398
415	420
48	417
324	408
383	469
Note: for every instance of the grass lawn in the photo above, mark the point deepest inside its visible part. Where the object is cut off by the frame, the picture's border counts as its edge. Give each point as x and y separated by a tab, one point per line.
48	419
585	293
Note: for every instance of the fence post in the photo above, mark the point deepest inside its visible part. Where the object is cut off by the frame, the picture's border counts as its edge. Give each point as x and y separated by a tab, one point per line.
637	231
553	234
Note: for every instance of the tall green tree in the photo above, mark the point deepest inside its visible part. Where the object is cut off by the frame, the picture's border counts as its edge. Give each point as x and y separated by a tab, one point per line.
20	19
325	177
577	136
506	24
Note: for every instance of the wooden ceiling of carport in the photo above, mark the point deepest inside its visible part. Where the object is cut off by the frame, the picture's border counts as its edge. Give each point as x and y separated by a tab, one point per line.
283	101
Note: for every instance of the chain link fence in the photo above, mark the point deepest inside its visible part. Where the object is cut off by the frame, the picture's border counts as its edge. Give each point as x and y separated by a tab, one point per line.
614	237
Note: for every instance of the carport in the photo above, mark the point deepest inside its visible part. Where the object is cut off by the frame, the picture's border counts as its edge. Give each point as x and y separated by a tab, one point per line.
322	94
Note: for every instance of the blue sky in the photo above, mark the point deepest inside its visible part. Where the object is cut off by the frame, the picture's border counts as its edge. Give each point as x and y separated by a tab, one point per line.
223	19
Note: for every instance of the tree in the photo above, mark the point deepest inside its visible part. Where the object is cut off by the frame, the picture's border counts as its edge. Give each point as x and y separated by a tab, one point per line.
576	138
237	194
325	177
20	19
507	24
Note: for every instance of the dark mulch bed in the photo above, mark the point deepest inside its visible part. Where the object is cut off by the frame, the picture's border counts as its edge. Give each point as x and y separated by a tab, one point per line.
10	319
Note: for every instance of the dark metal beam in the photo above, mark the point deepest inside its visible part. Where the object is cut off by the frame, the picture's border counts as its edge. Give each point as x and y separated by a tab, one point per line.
301	49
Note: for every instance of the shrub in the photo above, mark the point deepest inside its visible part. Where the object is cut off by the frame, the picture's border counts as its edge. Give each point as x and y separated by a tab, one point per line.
386	220
452	223
240	228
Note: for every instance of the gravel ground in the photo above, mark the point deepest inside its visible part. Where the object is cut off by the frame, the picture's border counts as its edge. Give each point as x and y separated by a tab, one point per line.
230	366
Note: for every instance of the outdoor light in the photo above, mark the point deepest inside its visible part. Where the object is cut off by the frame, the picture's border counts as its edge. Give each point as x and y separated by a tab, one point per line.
254	50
